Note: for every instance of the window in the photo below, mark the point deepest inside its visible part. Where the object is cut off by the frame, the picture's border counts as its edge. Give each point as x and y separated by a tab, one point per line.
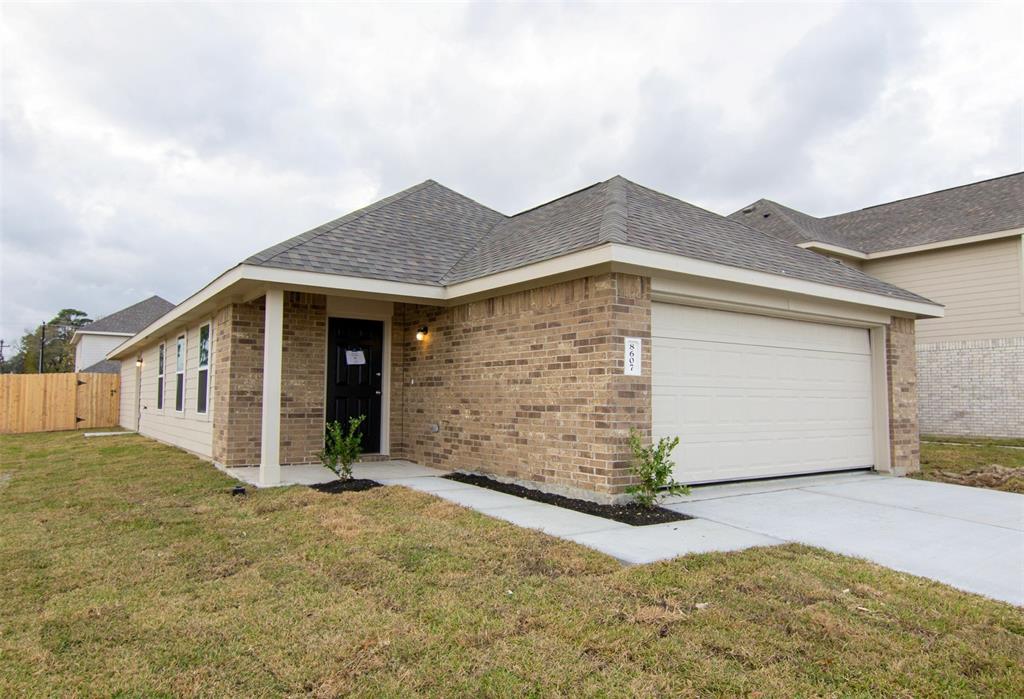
160	378
179	385
203	382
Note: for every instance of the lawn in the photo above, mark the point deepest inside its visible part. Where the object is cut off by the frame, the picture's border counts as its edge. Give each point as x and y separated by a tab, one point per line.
976	462
128	569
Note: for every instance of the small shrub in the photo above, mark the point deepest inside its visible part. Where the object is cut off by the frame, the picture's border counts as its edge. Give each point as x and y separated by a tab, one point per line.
654	469
342	449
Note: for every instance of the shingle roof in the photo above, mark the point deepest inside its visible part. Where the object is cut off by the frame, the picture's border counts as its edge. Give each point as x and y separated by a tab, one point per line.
104	366
973	209
132	319
432	235
415	236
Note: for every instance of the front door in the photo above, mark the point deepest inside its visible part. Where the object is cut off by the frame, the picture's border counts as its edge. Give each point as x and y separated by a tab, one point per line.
355	364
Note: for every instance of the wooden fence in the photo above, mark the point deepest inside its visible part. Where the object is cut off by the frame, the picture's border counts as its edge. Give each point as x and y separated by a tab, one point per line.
50	402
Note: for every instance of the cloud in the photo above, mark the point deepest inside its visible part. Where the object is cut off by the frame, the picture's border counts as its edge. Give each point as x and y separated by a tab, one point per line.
146	148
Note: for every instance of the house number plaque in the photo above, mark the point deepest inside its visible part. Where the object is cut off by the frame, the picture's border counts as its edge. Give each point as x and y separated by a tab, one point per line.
631	365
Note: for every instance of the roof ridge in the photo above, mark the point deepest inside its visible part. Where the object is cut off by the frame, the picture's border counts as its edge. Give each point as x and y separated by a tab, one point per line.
350	217
443	279
616	212
926	194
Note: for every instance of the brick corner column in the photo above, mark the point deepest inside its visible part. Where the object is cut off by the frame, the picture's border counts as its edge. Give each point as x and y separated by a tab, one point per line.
901	379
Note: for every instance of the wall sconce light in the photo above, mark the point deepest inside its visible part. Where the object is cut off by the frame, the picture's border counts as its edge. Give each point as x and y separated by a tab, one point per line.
138	362
421	333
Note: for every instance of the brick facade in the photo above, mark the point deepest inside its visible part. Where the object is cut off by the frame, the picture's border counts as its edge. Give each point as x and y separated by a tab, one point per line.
972	387
526	386
901	377
238	368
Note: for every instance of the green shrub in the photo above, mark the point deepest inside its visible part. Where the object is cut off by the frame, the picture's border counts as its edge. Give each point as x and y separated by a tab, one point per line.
653	468
342	449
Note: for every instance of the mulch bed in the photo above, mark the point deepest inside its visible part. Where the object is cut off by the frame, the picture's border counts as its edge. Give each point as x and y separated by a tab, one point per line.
352	485
628	514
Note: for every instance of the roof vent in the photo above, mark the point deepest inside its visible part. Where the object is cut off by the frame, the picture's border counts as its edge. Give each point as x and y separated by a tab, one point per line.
748	210
765	215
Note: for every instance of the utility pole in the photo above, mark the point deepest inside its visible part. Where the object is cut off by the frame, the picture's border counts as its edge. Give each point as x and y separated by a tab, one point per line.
42	344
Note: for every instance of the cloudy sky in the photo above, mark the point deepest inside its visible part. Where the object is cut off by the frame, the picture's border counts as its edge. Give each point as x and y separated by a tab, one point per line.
147	148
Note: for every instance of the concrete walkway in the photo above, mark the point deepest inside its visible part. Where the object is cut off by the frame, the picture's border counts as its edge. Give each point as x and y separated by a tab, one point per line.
970	538
626	543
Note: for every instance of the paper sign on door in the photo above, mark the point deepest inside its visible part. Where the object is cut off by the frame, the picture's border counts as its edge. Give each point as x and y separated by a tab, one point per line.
355	357
631	365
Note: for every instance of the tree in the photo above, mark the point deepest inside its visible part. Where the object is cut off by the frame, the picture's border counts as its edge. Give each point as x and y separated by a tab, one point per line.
58	354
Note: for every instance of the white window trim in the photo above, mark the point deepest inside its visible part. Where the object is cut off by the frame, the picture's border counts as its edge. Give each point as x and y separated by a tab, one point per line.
161	377
199	367
182	372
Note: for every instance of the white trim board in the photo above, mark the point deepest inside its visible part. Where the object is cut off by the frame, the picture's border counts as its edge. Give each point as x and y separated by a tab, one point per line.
952	242
254	280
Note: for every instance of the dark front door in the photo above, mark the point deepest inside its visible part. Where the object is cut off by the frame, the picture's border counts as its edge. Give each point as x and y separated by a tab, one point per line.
355	356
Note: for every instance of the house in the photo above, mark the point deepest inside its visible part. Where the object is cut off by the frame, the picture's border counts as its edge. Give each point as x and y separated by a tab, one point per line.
93	341
964	247
527	346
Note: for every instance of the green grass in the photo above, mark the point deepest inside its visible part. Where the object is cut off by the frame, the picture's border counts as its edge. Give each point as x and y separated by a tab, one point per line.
984	465
983	441
127	569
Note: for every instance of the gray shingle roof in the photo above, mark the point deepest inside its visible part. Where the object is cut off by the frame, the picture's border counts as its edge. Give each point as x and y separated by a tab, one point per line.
430	234
104	366
132	319
415	236
973	209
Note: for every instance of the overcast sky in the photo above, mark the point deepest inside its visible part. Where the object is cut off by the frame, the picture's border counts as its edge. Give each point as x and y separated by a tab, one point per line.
147	148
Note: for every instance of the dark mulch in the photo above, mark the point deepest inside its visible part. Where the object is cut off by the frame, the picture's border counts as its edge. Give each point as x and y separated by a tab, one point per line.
629	514
352	485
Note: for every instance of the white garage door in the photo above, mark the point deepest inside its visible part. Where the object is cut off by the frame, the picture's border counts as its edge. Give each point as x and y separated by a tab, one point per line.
751	396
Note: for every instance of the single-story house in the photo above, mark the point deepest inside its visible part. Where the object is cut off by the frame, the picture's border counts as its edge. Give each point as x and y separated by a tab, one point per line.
526	346
963	246
93	341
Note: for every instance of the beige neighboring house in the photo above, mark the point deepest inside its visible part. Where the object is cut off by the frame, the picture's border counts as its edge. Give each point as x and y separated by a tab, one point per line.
963	247
526	347
92	342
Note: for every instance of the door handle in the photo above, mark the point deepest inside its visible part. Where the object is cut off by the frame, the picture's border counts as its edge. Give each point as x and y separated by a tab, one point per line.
377	392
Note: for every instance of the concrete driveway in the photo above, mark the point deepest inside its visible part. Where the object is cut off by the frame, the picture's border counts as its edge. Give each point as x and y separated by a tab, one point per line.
969	538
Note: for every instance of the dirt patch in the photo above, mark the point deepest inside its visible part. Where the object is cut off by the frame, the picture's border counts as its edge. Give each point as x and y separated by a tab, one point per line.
352	485
634	515
991	476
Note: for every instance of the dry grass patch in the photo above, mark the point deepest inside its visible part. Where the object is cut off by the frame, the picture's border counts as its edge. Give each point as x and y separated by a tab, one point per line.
127	568
991	464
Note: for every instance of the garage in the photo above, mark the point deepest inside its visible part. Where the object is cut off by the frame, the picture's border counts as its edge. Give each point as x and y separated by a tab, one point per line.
755	396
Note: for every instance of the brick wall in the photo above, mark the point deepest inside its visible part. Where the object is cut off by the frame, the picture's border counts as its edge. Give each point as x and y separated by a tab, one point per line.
526	386
238	368
972	387
901	374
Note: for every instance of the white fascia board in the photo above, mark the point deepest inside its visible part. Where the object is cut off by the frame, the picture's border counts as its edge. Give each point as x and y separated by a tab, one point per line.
215	287
284	278
834	249
584	259
667	262
953	242
337	282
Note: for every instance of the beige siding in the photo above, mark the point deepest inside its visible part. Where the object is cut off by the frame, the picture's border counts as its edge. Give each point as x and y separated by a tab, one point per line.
127	409
188	429
980	285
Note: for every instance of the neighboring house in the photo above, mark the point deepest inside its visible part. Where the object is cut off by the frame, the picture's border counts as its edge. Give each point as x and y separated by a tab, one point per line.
963	247
527	346
92	342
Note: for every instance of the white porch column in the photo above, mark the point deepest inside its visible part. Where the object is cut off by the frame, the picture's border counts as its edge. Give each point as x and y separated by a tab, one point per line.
270	446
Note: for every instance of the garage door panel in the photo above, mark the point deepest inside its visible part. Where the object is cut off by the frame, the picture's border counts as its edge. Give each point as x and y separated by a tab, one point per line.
753	396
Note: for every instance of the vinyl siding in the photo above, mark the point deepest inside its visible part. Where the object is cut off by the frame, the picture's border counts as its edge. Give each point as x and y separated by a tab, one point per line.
93	348
188	429
127	408
980	285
